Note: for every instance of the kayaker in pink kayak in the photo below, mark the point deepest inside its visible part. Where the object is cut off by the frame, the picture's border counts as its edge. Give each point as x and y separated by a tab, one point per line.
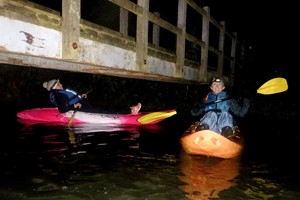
217	107
66	99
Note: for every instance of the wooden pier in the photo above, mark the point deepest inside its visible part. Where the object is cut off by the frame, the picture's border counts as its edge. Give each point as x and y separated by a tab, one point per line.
38	36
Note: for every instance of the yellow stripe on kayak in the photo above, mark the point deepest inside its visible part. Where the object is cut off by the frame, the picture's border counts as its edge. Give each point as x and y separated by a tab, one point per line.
148	118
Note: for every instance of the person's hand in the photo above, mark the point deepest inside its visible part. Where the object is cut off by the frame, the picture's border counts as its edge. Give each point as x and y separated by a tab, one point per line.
84	96
198	109
247	94
77	105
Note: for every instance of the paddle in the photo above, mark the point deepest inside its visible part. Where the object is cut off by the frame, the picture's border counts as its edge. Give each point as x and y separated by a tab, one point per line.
70	123
151	117
273	86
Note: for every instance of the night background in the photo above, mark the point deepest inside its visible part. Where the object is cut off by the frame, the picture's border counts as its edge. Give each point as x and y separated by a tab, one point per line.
54	162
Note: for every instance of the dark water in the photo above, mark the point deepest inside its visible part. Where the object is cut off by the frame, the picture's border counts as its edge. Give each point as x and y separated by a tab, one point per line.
48	161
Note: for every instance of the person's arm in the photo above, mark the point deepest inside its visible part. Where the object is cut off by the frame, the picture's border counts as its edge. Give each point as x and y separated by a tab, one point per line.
63	103
198	108
240	110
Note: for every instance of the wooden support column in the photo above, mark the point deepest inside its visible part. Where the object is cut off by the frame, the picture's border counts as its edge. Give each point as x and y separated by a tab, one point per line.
180	39
142	37
221	49
123	21
233	56
156	32
204	49
70	29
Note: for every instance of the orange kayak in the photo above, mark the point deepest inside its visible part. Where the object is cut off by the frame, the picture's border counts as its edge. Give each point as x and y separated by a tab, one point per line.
209	143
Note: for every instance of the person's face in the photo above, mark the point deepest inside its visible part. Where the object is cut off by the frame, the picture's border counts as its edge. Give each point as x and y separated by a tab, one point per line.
58	86
217	87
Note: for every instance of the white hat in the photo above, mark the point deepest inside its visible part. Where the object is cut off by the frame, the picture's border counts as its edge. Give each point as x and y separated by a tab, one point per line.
50	84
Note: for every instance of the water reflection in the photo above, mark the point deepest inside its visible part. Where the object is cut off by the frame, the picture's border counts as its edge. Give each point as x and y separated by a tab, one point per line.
54	162
114	163
206	177
55	137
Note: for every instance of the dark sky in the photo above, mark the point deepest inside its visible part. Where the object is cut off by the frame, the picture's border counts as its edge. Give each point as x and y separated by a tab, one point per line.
269	29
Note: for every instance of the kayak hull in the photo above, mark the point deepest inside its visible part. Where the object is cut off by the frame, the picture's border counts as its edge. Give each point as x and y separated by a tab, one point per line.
209	143
46	115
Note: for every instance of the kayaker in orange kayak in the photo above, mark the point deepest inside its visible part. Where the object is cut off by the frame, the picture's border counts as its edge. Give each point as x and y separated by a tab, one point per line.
216	107
66	100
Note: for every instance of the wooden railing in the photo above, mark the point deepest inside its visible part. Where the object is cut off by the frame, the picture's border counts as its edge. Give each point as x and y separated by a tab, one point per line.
196	58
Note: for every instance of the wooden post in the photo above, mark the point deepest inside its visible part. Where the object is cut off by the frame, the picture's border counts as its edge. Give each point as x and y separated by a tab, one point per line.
142	37
123	21
221	49
204	49
156	32
233	56
180	39
70	29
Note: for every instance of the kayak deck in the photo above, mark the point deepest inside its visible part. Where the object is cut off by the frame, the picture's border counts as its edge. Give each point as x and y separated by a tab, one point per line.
209	143
42	115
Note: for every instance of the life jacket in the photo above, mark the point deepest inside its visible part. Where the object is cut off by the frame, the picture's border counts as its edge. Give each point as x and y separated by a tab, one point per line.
217	102
72	96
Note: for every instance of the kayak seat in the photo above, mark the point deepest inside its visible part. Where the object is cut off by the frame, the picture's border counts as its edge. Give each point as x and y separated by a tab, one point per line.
226	131
202	127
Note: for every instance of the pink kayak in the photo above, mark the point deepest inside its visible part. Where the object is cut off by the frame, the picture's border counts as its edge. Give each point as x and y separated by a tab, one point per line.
43	115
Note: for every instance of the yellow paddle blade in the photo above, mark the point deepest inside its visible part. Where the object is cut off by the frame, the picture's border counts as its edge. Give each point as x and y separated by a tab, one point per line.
155	116
275	85
70	123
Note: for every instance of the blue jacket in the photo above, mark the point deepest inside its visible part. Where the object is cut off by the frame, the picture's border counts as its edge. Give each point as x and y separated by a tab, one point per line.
221	102
216	102
64	100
